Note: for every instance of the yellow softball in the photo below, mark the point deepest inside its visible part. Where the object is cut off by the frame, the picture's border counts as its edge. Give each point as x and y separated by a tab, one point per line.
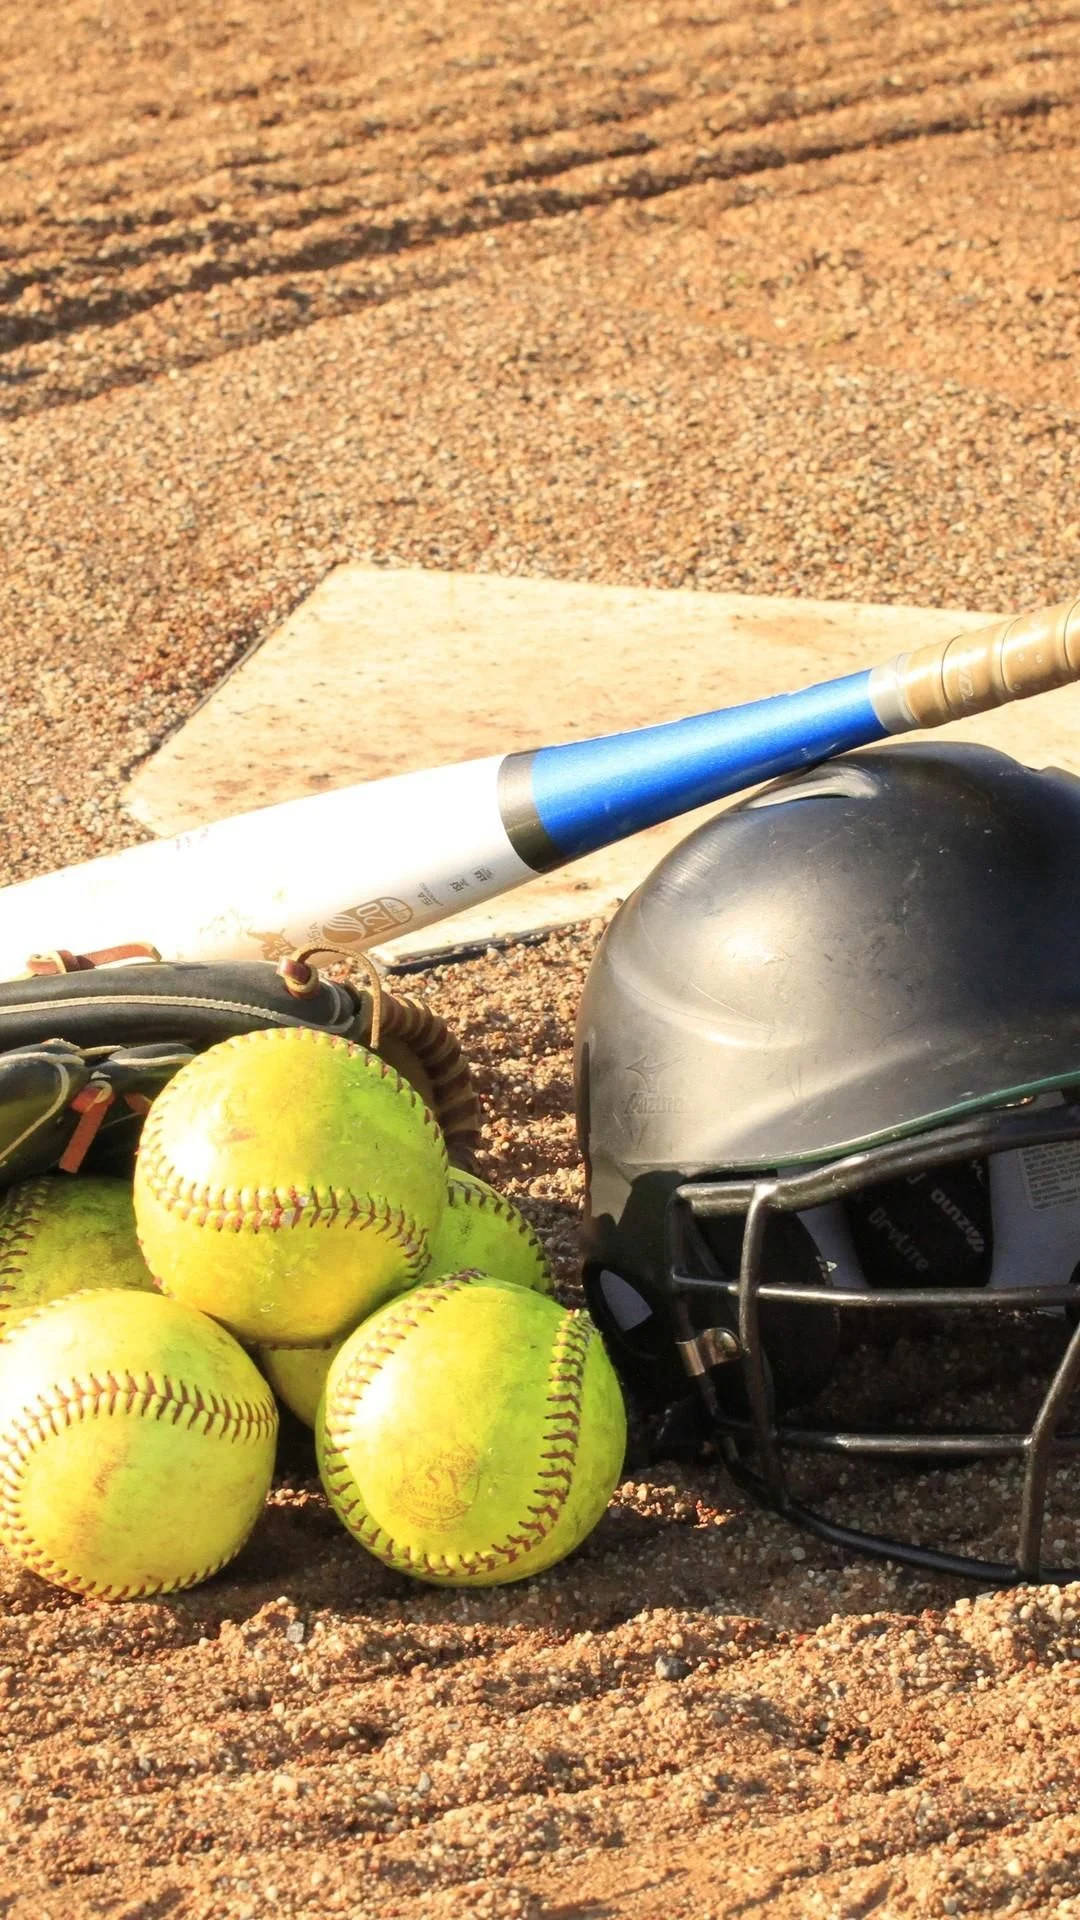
62	1233
471	1432
287	1182
482	1229
298	1375
136	1444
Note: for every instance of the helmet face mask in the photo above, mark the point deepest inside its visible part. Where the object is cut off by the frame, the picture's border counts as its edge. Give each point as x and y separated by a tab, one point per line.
784	1290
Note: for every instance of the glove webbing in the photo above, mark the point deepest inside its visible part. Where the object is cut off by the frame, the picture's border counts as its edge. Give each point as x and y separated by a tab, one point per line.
457	1108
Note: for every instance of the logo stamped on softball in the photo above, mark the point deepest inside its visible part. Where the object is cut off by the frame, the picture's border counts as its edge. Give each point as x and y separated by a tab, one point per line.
441	1490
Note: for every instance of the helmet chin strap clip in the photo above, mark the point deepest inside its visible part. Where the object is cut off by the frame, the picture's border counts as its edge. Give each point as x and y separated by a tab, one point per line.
712	1348
701	1352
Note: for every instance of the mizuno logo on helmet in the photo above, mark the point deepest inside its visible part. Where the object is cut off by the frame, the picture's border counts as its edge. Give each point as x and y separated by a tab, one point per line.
642	1101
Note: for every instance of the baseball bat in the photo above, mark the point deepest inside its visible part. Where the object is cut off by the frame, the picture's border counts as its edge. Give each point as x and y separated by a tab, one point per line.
357	865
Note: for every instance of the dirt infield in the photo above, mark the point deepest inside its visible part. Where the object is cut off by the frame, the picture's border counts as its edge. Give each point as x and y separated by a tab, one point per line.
784	303
702	1713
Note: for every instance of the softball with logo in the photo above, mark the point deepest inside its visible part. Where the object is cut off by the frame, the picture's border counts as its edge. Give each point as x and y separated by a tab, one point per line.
519	1448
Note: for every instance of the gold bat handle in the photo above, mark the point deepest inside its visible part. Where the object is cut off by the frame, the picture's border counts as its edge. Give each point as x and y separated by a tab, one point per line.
1030	653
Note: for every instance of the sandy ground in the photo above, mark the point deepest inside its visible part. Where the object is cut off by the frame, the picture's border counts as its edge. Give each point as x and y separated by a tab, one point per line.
782	302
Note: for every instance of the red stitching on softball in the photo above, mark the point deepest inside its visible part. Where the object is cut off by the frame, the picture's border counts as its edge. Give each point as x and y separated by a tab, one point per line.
20	1216
225	1209
463	1192
235	1420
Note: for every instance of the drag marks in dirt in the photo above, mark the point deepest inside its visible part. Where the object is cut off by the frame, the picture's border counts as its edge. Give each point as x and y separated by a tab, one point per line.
139	241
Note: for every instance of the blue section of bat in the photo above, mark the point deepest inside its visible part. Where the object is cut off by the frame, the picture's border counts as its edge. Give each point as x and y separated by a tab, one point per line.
591	792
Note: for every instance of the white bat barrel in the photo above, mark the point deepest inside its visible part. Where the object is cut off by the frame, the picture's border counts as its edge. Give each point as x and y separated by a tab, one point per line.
346	869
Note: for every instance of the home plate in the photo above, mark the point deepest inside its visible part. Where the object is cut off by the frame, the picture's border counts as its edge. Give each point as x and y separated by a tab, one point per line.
385	671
